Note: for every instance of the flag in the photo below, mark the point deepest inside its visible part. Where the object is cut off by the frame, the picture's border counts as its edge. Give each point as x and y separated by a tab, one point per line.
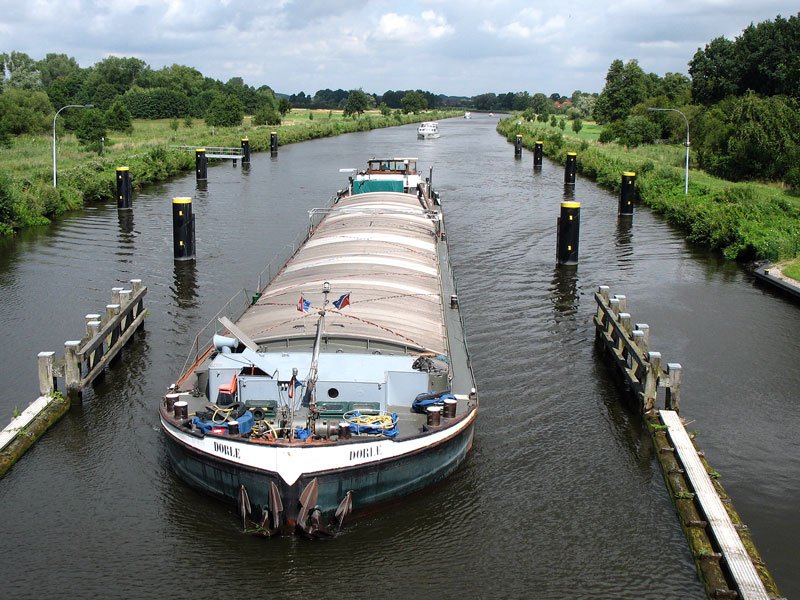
303	305
344	300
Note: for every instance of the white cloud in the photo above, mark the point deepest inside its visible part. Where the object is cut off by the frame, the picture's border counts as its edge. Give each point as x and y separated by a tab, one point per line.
411	29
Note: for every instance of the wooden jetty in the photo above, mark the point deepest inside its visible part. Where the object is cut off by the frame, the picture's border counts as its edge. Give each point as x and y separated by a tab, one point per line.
726	558
83	361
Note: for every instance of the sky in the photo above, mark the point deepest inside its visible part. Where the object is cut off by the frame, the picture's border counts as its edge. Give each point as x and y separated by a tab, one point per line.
458	48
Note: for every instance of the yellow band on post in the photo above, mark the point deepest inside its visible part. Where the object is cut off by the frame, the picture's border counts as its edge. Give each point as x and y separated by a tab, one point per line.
200	150
629	174
181	200
123	169
570	204
572	154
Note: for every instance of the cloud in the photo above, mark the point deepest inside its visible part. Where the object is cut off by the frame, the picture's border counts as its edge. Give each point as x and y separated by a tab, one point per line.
528	24
411	29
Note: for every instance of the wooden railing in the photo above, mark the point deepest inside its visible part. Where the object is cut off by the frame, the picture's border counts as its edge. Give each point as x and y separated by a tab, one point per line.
629	347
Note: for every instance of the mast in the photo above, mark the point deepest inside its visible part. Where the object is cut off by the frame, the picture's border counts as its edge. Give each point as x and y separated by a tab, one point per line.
313	372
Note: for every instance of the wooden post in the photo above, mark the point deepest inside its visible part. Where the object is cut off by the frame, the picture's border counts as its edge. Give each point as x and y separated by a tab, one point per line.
47	380
623	302
625	322
72	369
673	401
91	317
613	303
112	310
645	338
651	383
136	285
115	294
604	292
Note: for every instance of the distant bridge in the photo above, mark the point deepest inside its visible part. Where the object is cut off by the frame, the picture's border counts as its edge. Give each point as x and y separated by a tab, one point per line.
216	151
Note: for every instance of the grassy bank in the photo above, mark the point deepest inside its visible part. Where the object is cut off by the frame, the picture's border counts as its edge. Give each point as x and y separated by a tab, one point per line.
27	196
745	221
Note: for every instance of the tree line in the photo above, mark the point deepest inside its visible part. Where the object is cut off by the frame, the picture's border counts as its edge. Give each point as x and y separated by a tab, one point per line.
742	104
119	90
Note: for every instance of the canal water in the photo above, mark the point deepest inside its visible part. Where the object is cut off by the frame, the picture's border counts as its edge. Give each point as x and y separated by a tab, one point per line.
561	496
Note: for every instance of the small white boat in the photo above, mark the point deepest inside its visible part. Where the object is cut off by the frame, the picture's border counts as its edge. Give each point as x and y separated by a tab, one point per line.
467	115
428	130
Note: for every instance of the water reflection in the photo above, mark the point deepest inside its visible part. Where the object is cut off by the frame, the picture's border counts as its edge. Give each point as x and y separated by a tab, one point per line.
564	291
184	287
569	191
125	218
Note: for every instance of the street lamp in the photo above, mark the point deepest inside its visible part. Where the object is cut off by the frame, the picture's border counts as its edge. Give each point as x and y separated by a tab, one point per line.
54	132
686	185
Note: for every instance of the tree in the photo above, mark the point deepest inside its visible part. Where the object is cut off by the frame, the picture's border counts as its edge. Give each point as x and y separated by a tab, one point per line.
541	104
24	111
267	115
384	108
485	101
284	106
750	138
226	110
57	66
357	102
414	102
714	71
91	129
637	130
118	117
626	86
22	71
577	125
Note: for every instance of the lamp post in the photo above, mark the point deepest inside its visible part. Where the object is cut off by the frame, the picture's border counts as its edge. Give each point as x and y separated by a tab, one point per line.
54	132
686	184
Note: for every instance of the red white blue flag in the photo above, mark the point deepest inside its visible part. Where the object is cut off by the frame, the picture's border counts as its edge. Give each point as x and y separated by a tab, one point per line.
303	305
344	300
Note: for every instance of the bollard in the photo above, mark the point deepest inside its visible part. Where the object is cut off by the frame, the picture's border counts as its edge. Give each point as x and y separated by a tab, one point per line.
201	164
273	142
538	153
123	188
570	168
627	192
518	146
182	229
568	233
245	151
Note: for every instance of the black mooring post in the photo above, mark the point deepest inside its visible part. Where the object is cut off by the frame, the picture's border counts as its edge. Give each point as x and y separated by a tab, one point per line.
123	188
273	142
245	151
568	233
538	153
570	168
201	164
627	193
182	229
518	146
